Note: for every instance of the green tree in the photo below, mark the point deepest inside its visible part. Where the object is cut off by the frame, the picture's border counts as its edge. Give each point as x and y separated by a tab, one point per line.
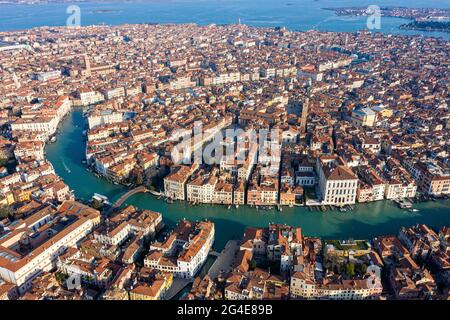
4	212
61	278
96	204
3	161
350	268
139	178
363	269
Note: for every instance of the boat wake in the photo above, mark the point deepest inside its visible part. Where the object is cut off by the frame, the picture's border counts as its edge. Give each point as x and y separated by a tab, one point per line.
65	166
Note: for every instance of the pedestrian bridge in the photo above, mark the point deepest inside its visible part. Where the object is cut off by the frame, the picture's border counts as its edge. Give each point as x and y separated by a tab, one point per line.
119	202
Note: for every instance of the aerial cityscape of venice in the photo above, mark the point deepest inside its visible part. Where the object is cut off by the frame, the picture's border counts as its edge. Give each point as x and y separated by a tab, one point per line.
225	150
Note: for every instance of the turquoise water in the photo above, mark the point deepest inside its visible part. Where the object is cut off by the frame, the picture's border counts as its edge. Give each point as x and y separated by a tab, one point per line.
293	14
366	221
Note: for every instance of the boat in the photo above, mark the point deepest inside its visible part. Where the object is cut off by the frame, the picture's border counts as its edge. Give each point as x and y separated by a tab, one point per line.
237	206
53	139
403	203
229	207
101	198
414	210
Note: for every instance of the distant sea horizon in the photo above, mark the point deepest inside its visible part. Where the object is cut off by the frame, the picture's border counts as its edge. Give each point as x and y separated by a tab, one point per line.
296	15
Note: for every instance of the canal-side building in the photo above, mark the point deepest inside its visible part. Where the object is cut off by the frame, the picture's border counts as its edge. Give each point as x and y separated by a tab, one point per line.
184	251
337	183
223	193
263	190
126	223
420	240
104	117
39	124
25	151
278	243
175	182
239	192
201	187
371	186
86	96
432	178
399	182
284	245
23	257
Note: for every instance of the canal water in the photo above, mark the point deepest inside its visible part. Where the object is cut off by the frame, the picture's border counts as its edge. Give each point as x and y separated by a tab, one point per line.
365	221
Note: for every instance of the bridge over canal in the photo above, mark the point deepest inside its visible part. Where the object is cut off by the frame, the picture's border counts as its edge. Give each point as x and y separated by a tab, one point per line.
119	202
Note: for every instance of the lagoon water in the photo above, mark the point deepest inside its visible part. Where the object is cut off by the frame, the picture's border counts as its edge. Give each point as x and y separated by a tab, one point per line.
366	221
293	14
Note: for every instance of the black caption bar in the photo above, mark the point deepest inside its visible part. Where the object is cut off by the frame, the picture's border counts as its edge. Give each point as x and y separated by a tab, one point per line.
229	309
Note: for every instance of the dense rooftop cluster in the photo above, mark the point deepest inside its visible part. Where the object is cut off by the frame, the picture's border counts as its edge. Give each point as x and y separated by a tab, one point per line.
279	262
352	117
376	103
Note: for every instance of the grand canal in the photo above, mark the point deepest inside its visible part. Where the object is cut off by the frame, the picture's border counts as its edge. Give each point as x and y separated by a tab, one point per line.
365	221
